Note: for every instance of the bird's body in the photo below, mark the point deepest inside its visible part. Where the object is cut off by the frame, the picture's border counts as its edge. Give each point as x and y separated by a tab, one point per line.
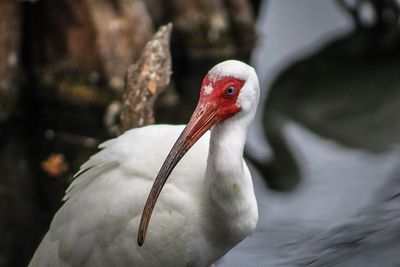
206	207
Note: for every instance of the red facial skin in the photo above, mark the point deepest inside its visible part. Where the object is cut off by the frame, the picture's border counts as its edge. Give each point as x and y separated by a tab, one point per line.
220	100
212	108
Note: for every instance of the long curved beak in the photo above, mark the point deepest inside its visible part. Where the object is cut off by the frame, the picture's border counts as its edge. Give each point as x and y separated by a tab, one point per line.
203	118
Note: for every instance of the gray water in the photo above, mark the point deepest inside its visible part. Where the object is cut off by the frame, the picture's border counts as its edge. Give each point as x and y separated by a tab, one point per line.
344	210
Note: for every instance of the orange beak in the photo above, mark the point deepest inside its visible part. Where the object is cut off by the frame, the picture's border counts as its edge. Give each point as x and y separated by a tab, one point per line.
203	118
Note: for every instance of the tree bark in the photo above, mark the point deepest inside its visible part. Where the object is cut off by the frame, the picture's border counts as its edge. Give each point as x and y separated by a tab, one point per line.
213	29
88	46
145	80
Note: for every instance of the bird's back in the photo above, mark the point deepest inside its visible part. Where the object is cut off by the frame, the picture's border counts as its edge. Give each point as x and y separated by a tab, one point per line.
97	224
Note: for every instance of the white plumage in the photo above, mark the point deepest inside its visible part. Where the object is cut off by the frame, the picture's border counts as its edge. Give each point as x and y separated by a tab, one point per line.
205	208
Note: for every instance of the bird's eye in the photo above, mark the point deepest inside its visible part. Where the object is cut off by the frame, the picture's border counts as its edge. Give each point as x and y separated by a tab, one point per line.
230	90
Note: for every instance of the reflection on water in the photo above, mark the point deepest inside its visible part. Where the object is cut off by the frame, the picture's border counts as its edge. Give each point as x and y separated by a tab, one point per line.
333	124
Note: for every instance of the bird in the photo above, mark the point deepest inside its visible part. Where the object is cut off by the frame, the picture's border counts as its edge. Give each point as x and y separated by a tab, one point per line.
202	193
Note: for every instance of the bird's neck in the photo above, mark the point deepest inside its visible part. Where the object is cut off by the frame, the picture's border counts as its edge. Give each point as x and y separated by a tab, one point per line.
225	156
228	193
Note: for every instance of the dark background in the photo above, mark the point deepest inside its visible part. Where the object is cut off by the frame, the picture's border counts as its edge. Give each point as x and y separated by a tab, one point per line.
323	149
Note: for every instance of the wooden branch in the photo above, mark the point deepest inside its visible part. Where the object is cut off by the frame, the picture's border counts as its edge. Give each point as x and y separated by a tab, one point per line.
145	80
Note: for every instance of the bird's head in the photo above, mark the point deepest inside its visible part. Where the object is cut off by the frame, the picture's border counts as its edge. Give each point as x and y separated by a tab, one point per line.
230	89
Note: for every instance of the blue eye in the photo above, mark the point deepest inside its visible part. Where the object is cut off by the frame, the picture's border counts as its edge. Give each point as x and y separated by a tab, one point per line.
230	90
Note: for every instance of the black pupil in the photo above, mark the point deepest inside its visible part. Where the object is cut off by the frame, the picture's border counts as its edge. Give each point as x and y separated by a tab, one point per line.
230	90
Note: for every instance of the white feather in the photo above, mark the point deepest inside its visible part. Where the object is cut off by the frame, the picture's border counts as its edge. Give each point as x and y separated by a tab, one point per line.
206	207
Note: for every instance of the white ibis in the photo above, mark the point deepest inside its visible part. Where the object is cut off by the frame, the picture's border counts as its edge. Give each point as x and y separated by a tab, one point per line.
206	207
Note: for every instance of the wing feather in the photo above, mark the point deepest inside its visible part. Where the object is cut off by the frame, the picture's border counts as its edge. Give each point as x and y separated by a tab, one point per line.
96	226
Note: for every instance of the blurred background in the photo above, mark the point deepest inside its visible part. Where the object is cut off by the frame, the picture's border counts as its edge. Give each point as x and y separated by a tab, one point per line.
324	149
